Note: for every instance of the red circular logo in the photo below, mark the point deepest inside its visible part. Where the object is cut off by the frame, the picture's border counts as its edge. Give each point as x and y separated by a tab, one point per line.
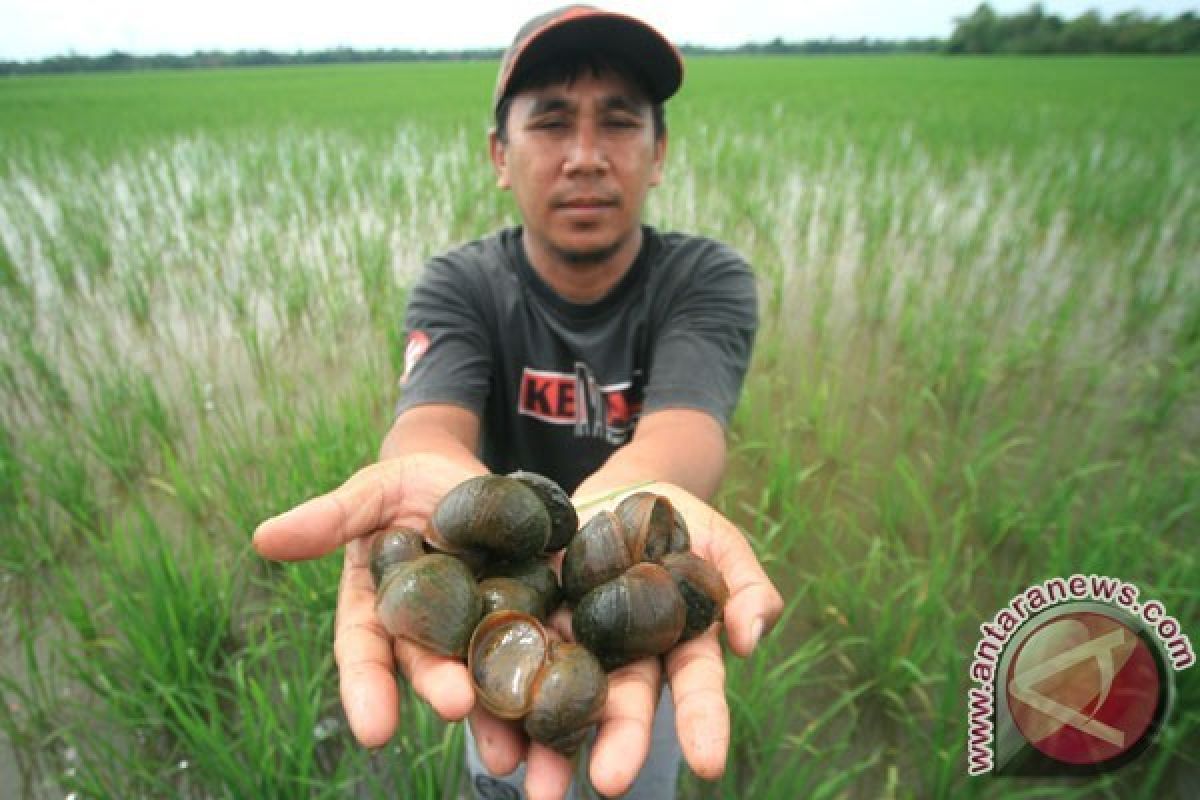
1084	688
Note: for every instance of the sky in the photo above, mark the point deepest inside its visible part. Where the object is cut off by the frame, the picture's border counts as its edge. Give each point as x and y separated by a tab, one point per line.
34	29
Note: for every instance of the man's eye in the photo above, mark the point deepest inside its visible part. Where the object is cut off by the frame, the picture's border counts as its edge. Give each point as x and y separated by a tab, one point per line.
550	123
623	122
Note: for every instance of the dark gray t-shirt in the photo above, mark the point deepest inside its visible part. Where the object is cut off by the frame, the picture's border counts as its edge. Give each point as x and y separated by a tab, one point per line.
558	386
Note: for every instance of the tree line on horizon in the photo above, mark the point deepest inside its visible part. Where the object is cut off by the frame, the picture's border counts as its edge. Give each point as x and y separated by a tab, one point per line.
982	32
1036	32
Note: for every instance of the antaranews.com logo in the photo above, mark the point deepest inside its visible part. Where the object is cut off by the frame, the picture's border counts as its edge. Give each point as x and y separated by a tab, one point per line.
1075	676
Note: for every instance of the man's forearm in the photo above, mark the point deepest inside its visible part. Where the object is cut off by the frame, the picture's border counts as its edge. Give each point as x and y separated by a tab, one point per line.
445	431
681	447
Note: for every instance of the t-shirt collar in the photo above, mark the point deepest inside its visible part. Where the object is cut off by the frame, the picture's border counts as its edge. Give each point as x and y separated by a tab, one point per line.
596	308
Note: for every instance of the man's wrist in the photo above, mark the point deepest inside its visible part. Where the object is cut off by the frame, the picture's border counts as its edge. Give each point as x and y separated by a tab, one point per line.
592	497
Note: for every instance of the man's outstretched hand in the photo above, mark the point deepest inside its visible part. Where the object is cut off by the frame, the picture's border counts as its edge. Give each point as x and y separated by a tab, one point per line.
391	494
694	669
403	492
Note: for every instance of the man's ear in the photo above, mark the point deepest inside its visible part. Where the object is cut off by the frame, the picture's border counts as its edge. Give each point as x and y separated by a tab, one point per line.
660	157
499	158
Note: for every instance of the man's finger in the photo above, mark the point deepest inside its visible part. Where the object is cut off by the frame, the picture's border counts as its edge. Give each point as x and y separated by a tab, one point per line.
623	737
750	613
439	680
501	744
547	774
754	603
697	677
363	652
560	623
325	523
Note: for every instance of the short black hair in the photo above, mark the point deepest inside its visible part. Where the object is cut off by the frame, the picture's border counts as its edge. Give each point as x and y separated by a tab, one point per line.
567	71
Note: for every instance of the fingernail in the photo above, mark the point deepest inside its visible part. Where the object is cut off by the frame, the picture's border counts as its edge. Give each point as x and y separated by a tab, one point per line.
756	630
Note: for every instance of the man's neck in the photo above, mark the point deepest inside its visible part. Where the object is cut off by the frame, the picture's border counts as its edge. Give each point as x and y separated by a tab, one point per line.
581	281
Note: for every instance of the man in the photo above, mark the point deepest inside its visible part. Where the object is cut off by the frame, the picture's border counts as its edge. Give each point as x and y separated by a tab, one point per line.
581	345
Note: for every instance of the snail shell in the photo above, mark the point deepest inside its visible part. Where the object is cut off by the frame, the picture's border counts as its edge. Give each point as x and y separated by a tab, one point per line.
703	590
506	652
475	560
639	614
537	575
563	519
597	554
644	527
394	547
510	594
568	697
653	526
494	513
519	672
432	600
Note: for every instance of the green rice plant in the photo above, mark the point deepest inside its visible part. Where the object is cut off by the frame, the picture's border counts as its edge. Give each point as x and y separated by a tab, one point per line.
48	385
11	477
164	626
128	424
61	481
149	654
10	278
136	296
27	707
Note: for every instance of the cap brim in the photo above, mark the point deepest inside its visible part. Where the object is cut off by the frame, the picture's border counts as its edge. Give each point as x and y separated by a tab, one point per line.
624	38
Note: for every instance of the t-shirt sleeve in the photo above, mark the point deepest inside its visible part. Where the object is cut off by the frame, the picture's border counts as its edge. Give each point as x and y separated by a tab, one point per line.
448	355
703	348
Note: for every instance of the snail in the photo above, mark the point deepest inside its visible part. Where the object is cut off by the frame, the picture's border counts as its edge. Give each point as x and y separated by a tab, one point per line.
637	589
520	672
432	600
495	514
639	613
510	594
529	586
392	548
654	525
702	588
563	519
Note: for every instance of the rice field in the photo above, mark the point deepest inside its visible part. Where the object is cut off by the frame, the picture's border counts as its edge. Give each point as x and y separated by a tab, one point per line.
979	368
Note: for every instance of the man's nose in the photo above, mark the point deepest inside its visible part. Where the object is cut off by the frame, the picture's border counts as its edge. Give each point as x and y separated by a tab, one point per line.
586	151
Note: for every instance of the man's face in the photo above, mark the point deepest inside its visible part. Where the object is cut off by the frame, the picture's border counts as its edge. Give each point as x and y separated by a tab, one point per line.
579	160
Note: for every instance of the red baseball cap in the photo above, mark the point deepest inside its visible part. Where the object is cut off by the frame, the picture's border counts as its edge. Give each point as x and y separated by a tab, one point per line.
576	28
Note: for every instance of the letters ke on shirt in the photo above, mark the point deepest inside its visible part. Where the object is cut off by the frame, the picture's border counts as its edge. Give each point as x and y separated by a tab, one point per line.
566	398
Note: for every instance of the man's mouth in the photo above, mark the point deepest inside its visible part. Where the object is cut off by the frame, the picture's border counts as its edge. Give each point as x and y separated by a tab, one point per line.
587	202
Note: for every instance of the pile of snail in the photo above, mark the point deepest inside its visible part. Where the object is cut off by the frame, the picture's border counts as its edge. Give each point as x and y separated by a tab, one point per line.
476	584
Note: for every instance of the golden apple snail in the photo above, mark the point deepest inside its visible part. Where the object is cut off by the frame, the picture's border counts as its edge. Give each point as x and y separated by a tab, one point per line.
394	547
520	672
640	613
563	519
702	588
654	527
432	600
492	513
538	575
510	594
